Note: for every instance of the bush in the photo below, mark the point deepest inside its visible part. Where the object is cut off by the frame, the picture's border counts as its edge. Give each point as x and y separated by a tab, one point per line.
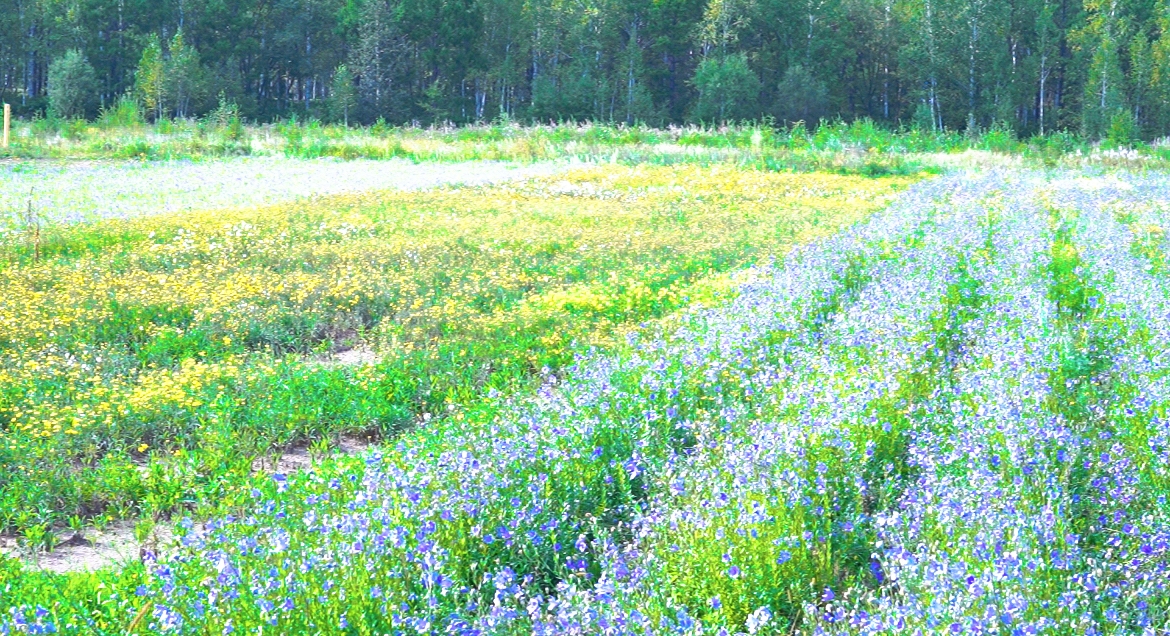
801	96
1001	137
226	118
72	84
728	89
124	113
1122	132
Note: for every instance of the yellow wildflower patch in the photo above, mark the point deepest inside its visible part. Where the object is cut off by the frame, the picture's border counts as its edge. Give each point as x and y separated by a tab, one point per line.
216	330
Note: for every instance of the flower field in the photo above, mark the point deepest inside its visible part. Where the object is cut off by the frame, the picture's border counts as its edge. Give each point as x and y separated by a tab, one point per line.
147	362
944	417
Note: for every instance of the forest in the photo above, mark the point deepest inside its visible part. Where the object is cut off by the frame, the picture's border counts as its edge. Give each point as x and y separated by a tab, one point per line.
1034	66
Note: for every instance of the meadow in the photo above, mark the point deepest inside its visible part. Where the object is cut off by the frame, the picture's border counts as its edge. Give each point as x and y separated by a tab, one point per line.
693	397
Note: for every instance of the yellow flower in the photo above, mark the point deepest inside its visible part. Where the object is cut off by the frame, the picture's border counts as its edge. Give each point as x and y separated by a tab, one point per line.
142	447
420	267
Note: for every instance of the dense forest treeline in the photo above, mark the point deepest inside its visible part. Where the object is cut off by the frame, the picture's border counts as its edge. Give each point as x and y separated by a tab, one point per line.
1034	65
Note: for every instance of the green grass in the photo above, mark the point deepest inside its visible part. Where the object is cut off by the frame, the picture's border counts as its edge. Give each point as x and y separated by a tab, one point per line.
860	147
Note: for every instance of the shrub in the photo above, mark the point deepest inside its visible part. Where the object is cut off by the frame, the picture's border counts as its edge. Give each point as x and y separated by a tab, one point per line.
72	84
1122	132
124	113
801	96
728	89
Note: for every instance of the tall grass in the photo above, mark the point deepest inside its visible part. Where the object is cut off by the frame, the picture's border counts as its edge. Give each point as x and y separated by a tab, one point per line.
858	147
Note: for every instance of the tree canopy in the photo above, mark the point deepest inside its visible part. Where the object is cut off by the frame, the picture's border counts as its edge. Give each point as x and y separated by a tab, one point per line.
1030	65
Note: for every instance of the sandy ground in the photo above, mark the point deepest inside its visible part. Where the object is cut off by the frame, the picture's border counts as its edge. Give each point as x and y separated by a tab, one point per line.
92	549
116	545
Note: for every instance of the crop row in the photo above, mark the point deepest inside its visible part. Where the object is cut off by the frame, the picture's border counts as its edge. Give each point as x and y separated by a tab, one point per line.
950	418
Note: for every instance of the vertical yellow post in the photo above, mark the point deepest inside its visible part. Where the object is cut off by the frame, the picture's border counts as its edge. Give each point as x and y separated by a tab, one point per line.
7	122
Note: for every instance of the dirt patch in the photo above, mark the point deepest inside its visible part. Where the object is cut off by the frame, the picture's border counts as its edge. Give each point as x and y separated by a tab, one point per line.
302	457
346	356
116	546
355	357
92	549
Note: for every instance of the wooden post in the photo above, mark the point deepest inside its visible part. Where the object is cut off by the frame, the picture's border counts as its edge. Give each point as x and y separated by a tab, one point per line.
7	122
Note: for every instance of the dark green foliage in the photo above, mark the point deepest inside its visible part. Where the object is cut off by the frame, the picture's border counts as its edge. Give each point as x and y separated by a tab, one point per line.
1032	67
728	89
801	96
